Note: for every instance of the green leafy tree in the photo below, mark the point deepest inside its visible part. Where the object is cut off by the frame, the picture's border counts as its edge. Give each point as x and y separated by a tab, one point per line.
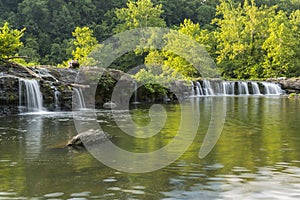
241	33
197	10
137	14
30	50
228	35
295	23
140	14
10	41
177	63
170	61
256	42
84	43
280	47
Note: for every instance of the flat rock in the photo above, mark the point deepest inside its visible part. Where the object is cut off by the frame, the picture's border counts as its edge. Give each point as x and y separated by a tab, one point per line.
90	137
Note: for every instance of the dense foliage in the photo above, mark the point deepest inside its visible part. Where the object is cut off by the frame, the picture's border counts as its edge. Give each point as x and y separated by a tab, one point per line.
247	39
256	42
9	41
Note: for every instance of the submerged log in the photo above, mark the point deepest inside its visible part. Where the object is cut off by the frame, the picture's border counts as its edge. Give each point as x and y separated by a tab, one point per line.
91	137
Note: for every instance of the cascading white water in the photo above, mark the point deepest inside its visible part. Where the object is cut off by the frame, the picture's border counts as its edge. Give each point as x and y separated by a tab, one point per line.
272	88
197	91
30	95
207	89
192	89
199	88
211	87
135	94
217	88
80	103
243	88
228	88
56	99
255	88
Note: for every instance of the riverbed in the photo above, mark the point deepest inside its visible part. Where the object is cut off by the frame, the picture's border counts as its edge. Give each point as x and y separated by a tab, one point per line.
256	157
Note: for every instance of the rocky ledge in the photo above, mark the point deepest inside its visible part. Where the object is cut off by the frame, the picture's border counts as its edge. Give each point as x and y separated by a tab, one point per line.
57	86
290	85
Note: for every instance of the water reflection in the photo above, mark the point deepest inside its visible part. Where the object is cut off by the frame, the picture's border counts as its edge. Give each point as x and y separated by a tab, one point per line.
33	136
256	157
279	182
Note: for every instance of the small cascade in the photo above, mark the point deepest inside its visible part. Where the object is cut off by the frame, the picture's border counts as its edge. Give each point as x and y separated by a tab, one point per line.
78	95
243	88
272	88
199	89
30	96
57	95
227	88
219	88
192	89
255	88
208	90
135	94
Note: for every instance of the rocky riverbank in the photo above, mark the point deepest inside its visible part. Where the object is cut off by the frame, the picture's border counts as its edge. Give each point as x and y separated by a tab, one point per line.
290	85
58	89
57	86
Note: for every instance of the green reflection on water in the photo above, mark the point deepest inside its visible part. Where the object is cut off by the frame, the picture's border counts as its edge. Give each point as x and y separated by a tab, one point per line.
259	133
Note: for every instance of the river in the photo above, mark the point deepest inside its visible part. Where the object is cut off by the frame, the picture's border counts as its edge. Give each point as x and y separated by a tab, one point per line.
256	157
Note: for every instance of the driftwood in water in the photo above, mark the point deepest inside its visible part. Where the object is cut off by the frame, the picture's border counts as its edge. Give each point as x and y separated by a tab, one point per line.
90	137
79	85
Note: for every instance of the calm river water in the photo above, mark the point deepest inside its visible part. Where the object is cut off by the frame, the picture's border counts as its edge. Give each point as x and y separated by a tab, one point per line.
256	157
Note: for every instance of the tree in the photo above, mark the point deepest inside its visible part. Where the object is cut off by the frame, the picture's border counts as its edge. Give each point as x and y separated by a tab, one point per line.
280	47
10	41
168	60
177	63
140	14
84	43
241	33
30	50
175	11
295	23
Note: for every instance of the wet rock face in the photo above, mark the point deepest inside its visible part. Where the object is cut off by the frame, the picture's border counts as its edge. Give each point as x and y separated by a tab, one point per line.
9	95
56	96
290	85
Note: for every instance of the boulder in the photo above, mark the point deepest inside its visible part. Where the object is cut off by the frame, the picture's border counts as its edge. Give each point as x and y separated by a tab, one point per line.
91	137
290	85
109	105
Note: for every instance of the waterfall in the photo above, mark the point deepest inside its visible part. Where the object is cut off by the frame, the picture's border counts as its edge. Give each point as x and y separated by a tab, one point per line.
272	88
227	88
78	95
208	90
30	95
135	94
57	95
199	89
243	88
216	87
193	89
255	88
